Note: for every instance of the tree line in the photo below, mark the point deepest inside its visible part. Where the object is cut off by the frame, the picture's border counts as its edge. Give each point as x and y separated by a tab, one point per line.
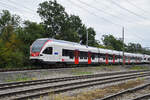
114	43
17	35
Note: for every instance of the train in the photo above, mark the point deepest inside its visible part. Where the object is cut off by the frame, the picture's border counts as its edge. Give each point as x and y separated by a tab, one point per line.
53	51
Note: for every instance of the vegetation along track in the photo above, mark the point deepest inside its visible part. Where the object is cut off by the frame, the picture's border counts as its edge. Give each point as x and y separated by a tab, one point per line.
12	91
20	69
38	68
132	90
32	68
53	67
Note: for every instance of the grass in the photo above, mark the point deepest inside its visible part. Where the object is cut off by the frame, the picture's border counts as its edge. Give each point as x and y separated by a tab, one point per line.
91	70
20	67
106	67
19	79
139	68
99	93
80	72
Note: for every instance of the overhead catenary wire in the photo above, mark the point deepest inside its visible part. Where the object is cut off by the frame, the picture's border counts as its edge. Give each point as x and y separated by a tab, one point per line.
119	13
81	7
93	14
101	10
132	33
135	35
131	12
10	7
28	9
136	6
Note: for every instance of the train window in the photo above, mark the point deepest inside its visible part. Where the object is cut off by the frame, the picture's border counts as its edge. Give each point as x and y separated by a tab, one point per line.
48	50
93	55
126	58
37	45
69	53
83	55
119	57
110	57
116	57
102	56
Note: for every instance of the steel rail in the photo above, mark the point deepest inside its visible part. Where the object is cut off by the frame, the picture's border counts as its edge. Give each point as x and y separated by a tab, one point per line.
146	96
83	76
75	87
65	87
52	80
110	97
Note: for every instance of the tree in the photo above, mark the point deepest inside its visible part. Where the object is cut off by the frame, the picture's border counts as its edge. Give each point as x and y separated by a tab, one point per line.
91	37
70	29
111	41
53	16
28	34
135	48
31	31
10	55
7	19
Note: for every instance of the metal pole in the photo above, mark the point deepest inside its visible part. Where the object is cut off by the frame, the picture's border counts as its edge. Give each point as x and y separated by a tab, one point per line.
87	39
123	46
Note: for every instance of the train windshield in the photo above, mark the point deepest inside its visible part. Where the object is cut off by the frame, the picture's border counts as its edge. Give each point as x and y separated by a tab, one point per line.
37	45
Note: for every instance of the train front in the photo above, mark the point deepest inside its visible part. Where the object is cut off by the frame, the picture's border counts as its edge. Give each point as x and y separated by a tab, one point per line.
36	50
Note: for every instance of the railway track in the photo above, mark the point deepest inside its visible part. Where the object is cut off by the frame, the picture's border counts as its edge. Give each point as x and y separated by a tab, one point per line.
52	80
132	90
15	91
144	97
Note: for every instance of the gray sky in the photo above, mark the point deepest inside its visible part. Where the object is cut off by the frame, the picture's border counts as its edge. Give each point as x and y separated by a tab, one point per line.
105	16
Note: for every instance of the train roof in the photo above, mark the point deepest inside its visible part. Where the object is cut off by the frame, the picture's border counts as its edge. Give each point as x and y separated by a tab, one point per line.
94	48
60	41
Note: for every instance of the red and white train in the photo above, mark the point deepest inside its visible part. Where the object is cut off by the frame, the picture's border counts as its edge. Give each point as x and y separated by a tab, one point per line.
52	51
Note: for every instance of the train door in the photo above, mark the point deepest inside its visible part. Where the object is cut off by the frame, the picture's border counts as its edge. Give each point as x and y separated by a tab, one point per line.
76	54
124	59
89	57
128	60
113	58
99	60
106	58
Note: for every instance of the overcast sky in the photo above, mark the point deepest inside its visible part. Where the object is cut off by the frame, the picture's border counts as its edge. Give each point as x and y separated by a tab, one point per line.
105	16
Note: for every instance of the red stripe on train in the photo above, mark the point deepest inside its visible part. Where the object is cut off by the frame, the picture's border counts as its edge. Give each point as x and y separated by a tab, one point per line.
113	59
89	58
106	58
128	60
124	60
76	53
35	54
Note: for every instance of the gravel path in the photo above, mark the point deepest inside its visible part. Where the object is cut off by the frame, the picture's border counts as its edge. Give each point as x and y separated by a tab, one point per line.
51	84
91	88
54	73
136	94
